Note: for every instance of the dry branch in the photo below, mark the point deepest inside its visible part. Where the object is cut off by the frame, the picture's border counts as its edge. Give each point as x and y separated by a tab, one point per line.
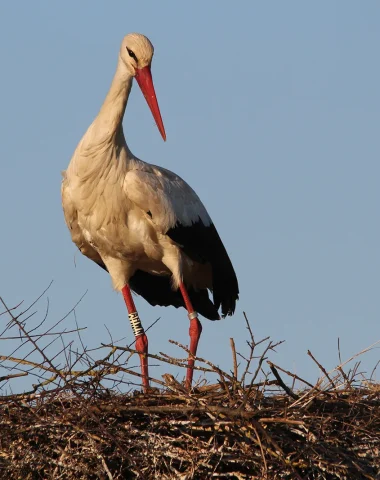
83	420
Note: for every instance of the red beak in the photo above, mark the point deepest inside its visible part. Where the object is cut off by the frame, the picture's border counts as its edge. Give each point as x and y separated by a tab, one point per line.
144	79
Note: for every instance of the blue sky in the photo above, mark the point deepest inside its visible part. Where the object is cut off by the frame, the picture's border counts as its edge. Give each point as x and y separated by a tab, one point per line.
272	114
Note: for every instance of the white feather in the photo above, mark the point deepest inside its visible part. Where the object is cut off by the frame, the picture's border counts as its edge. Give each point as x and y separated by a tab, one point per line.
163	193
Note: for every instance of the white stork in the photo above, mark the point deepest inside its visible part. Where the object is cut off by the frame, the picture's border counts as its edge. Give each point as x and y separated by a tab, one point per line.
143	223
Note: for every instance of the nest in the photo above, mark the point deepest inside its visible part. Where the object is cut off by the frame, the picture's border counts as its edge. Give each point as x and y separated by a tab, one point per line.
77	423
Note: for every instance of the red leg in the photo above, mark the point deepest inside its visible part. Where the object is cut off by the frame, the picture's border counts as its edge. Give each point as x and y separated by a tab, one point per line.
194	332
141	338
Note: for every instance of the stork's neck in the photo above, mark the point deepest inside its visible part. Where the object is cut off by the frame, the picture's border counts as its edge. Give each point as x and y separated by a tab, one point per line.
108	123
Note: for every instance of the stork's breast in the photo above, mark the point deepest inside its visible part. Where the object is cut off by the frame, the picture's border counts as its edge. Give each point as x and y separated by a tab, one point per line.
130	236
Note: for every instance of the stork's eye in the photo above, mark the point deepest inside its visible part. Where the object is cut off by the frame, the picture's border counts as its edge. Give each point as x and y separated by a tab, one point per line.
131	54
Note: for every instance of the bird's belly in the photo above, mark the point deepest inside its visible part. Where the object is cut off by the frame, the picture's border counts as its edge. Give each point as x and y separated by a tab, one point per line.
133	242
149	265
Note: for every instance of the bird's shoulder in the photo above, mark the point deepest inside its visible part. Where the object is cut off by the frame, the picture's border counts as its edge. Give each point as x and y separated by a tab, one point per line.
165	194
156	176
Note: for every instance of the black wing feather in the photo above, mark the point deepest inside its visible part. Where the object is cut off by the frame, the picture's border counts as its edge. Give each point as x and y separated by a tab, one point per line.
203	244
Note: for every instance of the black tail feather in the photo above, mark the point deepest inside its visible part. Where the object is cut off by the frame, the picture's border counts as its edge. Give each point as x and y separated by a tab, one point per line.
225	284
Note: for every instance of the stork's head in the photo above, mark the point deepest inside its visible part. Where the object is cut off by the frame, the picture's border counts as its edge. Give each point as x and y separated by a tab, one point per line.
136	52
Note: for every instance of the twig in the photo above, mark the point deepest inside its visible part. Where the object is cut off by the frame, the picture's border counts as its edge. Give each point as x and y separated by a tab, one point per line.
45	334
107	470
321	368
234	360
296	377
280	381
15	375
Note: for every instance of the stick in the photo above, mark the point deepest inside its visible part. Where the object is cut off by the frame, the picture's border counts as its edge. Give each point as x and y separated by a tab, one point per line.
321	368
280	381
232	343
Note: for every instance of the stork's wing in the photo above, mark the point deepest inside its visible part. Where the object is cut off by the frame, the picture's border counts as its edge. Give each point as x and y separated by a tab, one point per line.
178	212
167	197
71	217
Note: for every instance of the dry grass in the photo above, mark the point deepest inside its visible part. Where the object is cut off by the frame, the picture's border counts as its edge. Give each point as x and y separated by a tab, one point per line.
76	423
